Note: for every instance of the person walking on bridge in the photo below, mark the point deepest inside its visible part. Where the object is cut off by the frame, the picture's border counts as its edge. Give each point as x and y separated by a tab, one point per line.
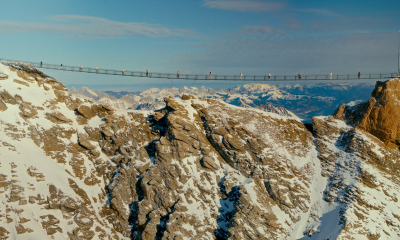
299	76
177	74
210	75
359	75
147	73
241	75
269	76
61	66
330	75
80	68
123	71
97	69
41	63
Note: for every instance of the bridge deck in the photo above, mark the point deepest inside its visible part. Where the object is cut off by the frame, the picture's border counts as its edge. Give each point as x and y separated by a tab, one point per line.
200	76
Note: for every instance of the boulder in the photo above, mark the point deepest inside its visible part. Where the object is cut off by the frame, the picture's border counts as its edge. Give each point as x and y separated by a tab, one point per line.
3	106
107	132
209	163
85	111
84	142
58	117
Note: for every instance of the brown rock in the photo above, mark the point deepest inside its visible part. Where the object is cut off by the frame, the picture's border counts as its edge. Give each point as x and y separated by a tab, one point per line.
187	97
107	132
380	116
21	82
27	110
102	110
3	106
3	233
209	162
84	141
159	114
7	98
83	221
21	229
57	117
49	223
86	112
3	76
94	133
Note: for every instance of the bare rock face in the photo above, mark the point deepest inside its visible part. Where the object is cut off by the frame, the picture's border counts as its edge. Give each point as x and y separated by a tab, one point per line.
196	169
207	172
380	116
362	174
86	112
84	141
7	97
51	180
58	117
3	106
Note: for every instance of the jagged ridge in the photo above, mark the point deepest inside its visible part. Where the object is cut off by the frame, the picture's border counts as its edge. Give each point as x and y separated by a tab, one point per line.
196	168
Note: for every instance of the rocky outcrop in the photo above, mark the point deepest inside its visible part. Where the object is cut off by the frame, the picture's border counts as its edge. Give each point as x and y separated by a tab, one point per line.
208	173
49	185
85	112
84	141
362	173
380	116
3	106
198	168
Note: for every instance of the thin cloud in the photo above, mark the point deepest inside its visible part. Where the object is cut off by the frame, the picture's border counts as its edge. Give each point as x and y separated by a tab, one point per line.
344	54
244	5
254	31
293	23
320	11
92	27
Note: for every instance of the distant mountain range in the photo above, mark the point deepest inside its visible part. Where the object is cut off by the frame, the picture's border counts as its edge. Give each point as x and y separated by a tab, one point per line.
304	101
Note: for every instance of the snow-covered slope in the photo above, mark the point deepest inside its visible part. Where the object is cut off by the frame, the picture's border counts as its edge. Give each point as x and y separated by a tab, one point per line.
196	169
50	187
362	187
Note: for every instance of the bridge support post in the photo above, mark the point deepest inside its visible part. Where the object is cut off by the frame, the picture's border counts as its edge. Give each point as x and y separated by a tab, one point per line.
398	61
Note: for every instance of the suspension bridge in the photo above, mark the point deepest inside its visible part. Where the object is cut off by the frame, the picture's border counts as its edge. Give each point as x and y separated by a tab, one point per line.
211	77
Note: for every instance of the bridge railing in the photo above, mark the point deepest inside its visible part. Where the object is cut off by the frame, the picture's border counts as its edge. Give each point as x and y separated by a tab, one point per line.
209	77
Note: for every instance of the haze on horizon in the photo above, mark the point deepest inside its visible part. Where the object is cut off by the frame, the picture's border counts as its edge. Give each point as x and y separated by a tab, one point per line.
196	37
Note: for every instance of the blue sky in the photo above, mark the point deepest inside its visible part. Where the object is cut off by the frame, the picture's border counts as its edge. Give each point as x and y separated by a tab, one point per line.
222	36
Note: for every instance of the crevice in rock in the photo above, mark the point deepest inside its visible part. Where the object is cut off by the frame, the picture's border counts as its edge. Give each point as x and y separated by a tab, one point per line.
162	226
159	126
309	127
227	211
134	214
216	147
274	196
133	220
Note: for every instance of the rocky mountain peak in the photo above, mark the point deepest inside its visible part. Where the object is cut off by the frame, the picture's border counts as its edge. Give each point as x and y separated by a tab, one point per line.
197	168
380	116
